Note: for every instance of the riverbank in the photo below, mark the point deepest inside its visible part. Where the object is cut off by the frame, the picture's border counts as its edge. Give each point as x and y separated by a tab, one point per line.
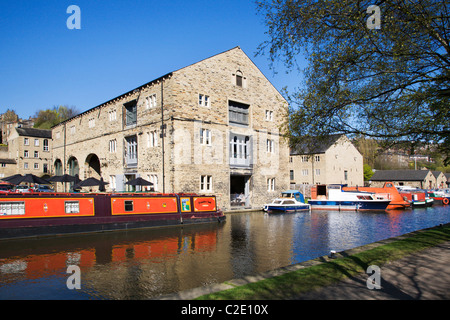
335	278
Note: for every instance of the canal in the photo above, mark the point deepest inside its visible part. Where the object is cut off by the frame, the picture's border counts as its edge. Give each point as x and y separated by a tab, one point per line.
144	264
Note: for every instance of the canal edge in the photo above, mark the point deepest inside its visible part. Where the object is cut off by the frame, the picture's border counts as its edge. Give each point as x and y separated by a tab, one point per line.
194	293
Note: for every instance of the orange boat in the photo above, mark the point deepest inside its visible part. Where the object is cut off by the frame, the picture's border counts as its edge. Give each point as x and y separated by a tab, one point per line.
397	200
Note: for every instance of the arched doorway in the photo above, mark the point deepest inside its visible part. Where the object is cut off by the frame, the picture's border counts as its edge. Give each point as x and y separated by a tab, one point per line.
92	166
74	168
58	167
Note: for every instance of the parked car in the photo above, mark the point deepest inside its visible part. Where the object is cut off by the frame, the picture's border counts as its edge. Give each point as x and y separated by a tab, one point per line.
22	189
5	188
43	188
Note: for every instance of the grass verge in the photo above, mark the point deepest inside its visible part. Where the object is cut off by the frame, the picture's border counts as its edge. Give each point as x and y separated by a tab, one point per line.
291	284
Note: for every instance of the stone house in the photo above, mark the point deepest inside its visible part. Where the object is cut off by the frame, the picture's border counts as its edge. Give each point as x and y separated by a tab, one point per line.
336	161
29	150
210	128
423	179
441	179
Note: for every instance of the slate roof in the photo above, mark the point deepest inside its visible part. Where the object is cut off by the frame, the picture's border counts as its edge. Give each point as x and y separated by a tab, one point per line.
8	161
399	175
33	132
320	147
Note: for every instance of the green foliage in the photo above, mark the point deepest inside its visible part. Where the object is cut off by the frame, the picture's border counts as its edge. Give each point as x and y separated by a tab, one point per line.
392	83
45	119
368	172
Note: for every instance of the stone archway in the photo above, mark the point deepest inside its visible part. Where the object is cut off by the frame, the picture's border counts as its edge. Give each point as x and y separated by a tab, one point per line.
59	170
92	166
74	168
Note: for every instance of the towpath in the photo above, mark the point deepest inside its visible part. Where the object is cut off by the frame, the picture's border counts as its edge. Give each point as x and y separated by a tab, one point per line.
424	275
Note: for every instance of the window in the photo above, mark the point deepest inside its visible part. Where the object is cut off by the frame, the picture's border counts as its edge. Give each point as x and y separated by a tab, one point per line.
154	179
305	172
239	79
45	147
205	137
25	165
238	113
112	115
345	175
72	206
317	172
128	205
291	174
3	165
58	135
26	141
92	123
131	149
150	101
36	154
270	146
290	160
36	166
152	139
130	113
317	158
45	168
112	145
36	142
203	100
72	128
271	184
112	182
206	183
304	158
12	208
269	115
25	154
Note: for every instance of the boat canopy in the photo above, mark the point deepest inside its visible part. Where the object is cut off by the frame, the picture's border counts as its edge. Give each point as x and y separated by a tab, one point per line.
293	194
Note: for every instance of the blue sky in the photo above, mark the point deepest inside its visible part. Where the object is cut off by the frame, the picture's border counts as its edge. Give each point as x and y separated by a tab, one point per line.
120	46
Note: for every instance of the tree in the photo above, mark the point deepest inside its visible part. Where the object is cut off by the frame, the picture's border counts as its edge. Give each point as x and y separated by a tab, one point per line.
45	119
390	83
9	116
368	172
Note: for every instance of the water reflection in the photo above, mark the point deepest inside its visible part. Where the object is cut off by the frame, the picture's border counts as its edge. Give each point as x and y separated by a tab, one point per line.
142	264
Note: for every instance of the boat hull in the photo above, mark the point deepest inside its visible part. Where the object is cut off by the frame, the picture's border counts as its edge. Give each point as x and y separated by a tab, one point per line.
287	208
348	205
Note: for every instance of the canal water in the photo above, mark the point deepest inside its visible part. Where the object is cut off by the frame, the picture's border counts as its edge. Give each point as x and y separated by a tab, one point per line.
144	264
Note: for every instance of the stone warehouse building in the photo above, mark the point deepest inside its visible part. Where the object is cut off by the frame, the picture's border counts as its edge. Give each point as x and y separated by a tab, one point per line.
335	161
210	128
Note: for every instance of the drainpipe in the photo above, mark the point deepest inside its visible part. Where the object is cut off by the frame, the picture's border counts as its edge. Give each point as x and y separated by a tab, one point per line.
162	135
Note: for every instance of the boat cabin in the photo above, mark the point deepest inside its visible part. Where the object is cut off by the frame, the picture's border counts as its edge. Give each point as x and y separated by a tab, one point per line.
293	194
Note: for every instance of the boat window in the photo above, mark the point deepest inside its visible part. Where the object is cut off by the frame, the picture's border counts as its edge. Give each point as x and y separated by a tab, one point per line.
288	202
365	198
128	205
72	206
277	201
12	208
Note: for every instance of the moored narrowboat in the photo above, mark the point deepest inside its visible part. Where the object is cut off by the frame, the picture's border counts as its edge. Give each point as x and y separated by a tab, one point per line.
25	215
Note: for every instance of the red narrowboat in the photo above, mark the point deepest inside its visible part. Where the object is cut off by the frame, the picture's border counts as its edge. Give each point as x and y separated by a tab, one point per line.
38	214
